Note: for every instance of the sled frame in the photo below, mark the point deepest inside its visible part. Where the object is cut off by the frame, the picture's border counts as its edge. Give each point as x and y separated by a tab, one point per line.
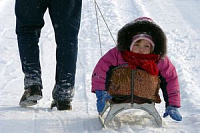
117	108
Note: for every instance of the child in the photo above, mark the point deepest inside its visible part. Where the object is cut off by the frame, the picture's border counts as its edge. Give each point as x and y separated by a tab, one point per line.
141	38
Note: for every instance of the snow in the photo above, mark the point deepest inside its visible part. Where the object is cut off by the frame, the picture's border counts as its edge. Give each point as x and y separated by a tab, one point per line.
180	21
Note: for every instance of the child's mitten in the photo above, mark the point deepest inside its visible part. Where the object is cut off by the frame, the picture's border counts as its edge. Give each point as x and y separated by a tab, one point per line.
173	113
102	97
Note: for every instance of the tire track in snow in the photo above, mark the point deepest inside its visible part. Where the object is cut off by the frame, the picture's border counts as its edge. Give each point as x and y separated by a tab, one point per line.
61	123
47	120
7	73
81	88
128	10
82	73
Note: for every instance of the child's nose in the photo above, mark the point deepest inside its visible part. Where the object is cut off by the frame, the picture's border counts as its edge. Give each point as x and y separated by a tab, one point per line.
141	50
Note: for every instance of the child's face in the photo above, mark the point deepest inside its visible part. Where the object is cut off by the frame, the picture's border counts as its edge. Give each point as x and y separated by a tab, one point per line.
142	47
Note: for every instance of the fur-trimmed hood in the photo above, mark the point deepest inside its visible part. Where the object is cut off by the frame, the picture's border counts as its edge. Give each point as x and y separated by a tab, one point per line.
138	26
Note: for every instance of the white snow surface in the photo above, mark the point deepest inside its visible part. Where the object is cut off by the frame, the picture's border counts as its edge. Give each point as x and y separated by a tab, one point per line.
180	19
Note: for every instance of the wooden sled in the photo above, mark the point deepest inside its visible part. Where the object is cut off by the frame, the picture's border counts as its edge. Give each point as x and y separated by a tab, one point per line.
140	87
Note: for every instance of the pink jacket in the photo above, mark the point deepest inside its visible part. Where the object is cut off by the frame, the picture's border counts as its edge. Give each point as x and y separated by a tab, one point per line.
114	58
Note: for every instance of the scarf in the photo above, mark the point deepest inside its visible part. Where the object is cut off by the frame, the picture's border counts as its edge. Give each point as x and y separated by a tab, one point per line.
144	61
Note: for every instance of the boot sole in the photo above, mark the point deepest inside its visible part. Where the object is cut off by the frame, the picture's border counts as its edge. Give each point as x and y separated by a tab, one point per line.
64	108
27	103
61	107
30	101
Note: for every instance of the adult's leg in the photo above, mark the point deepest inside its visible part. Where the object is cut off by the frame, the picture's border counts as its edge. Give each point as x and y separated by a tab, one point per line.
65	16
29	21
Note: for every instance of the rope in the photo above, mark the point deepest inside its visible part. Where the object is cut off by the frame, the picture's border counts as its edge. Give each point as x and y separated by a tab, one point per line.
98	27
97	7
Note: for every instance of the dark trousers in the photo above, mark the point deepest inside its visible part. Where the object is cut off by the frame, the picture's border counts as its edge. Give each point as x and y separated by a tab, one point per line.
65	16
163	86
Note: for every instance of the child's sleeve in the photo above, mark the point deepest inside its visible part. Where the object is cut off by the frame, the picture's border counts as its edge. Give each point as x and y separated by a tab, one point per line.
168	72
100	70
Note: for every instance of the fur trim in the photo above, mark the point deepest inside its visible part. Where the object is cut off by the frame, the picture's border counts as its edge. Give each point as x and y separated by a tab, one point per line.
131	29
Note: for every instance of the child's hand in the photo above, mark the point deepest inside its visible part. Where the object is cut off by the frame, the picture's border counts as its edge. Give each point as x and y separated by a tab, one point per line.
173	112
102	96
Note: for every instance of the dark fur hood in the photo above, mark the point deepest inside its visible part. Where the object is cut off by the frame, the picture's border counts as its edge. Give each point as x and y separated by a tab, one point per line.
126	33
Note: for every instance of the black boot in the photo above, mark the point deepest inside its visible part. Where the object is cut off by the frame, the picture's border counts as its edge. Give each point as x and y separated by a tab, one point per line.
30	96
61	105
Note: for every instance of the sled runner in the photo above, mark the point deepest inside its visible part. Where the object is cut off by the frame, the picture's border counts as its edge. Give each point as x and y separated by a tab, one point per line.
131	89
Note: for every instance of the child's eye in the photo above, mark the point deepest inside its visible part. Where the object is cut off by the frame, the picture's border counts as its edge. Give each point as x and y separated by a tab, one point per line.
136	44
147	46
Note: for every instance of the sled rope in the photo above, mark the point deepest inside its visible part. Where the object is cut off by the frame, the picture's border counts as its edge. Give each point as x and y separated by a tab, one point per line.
132	87
98	27
97	8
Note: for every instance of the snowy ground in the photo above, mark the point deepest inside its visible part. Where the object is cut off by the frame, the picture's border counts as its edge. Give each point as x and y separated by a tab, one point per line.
180	20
